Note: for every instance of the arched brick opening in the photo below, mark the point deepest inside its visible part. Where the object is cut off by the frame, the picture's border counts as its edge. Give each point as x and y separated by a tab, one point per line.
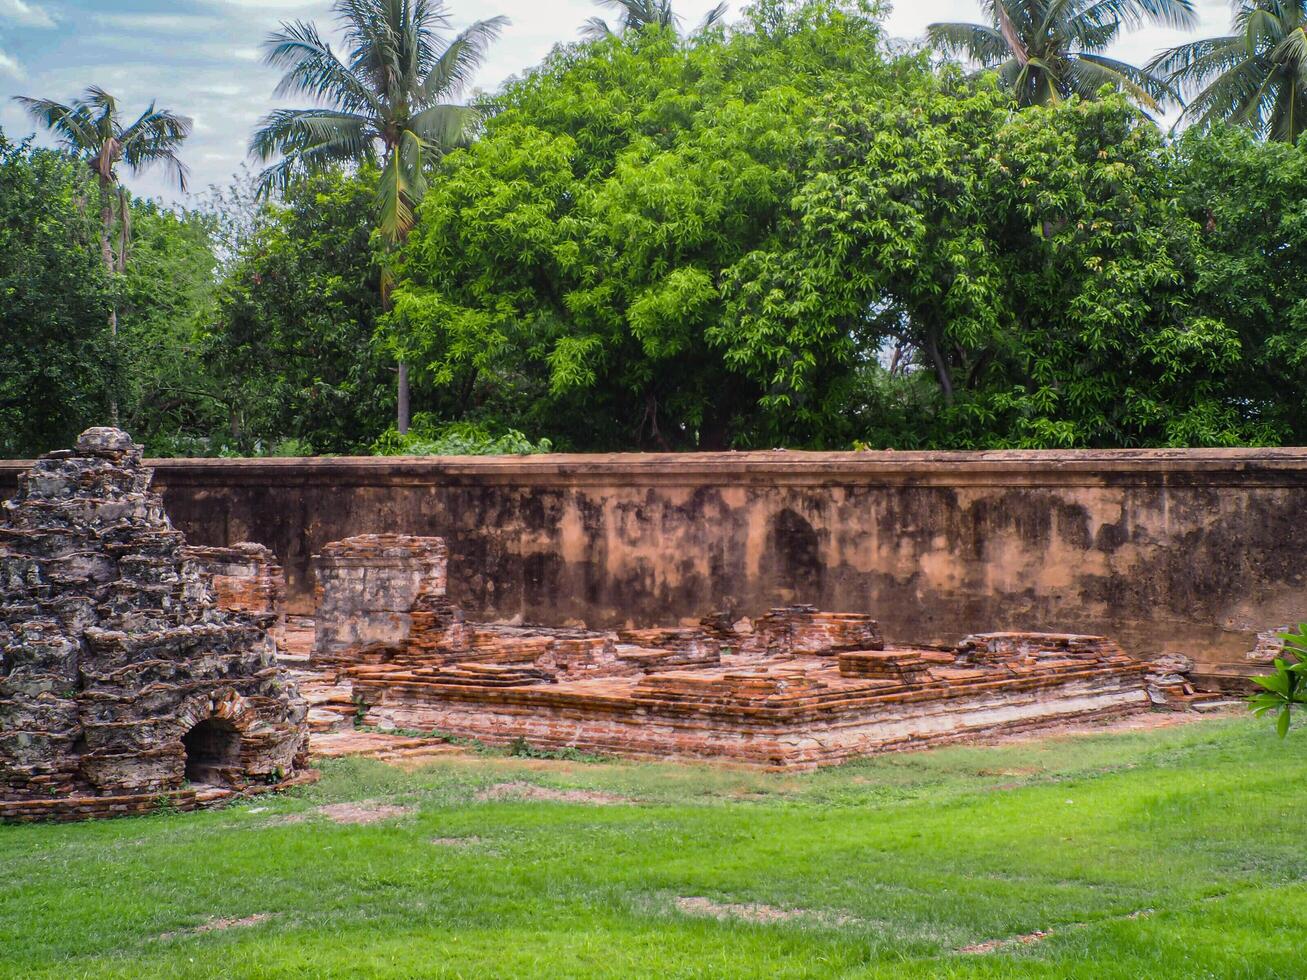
213	752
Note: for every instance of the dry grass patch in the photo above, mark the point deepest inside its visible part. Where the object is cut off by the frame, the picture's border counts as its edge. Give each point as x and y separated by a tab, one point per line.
518	790
993	945
753	912
219	925
362	812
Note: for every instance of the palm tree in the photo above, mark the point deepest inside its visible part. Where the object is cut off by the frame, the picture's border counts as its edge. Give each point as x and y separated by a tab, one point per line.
383	104
1255	76
1048	50
636	15
90	128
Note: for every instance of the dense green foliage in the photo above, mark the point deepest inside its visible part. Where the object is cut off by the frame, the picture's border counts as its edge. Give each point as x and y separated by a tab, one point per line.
567	269
722	245
290	350
781	233
57	372
427	437
168	296
1173	853
1246	197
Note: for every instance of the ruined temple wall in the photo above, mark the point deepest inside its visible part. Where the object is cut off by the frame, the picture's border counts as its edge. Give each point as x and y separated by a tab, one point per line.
1173	550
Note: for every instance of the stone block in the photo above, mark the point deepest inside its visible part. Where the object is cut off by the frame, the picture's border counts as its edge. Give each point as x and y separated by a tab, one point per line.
367	589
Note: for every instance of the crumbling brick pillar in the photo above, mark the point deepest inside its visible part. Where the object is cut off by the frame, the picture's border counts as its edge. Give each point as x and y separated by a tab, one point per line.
246	578
366	590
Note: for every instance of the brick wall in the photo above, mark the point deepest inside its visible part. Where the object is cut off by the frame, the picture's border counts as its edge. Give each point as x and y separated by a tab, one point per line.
1189	551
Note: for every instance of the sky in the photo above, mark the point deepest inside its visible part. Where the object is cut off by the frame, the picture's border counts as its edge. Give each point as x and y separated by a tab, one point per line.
202	57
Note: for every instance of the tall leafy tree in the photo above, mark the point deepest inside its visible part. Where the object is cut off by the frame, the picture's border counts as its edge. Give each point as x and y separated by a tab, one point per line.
92	129
1254	76
56	372
566	277
636	15
290	349
1048	50
384	103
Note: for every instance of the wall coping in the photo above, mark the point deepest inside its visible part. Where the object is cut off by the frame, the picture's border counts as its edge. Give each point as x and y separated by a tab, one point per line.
1283	467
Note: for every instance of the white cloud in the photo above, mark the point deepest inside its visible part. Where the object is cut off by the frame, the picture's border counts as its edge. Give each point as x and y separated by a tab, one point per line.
24	13
163	23
10	66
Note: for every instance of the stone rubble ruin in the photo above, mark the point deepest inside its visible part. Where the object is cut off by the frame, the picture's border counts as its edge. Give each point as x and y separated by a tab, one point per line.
794	688
124	685
246	578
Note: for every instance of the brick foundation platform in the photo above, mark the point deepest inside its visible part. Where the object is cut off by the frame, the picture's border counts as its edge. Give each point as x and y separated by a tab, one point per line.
800	689
72	808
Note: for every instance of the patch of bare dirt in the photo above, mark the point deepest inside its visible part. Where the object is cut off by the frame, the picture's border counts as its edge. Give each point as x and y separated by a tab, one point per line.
724	911
219	925
519	790
362	812
365	812
992	945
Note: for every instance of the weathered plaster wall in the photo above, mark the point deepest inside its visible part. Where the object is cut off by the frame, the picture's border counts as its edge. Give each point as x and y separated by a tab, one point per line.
1175	550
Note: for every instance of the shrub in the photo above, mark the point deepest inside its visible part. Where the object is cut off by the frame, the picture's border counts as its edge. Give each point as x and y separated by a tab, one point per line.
429	438
1286	689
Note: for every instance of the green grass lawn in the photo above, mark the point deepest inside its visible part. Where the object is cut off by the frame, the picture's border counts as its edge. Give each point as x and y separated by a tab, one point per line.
1171	853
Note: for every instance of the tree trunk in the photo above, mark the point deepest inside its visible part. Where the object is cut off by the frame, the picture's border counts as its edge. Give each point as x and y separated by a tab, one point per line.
106	256
401	422
401	375
941	369
124	228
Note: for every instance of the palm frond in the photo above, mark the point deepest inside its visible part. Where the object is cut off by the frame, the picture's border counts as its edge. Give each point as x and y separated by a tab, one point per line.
395	210
458	63
712	18
1291	48
1090	72
976	42
1288	117
71	123
298	131
1187	65
155	138
1133	14
312	68
280	175
595	29
1231	96
445	127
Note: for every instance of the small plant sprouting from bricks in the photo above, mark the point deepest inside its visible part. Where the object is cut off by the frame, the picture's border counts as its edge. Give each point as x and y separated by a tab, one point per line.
164	804
517	748
1286	689
360	712
521	748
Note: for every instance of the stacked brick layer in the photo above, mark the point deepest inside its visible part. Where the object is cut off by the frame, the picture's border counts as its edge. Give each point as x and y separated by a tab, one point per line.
112	649
804	689
246	578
